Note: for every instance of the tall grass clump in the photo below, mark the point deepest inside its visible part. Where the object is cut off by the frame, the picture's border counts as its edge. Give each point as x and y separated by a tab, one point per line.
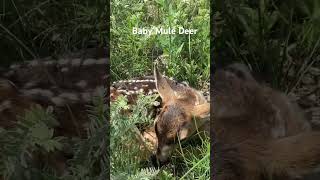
91	155
186	57
125	143
32	133
272	37
32	29
183	57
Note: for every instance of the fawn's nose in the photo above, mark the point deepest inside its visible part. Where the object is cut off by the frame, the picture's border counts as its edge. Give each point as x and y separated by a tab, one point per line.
161	157
156	162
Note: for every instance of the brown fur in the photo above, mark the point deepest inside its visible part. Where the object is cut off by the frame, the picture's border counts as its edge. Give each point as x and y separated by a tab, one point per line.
266	133
13	105
286	158
241	105
262	133
181	105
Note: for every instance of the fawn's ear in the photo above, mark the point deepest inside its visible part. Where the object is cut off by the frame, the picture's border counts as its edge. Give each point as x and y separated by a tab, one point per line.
201	111
165	91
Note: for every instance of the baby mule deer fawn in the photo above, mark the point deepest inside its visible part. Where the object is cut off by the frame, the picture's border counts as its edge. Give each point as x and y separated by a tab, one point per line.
183	110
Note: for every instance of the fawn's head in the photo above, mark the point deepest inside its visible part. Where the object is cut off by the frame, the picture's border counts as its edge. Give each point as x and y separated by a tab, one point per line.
234	89
183	110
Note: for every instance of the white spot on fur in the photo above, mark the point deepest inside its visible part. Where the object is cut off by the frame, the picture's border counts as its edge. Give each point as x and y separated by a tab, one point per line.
121	91
64	69
38	92
63	61
89	62
156	103
34	63
76	62
58	101
102	61
69	96
14	66
49	62
29	85
82	84
128	93
185	83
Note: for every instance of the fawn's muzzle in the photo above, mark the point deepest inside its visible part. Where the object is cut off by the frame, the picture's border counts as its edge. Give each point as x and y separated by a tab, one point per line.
161	157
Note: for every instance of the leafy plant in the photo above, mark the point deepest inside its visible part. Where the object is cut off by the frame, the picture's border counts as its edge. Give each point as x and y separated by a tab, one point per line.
27	148
272	37
91	155
33	134
126	152
35	29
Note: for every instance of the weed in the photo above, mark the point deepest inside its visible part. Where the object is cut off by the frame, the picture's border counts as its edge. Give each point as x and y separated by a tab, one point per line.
186	56
28	147
35	29
272	37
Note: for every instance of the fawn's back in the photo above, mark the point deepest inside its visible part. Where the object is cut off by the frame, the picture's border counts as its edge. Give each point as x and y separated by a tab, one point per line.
67	84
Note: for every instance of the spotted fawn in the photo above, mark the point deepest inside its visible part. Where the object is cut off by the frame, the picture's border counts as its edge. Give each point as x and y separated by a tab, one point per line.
66	84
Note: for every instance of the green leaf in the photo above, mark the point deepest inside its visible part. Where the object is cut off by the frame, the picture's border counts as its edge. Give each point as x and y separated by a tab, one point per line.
41	131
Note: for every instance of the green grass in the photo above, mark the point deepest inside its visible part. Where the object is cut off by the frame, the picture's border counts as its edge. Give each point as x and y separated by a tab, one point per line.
186	58
273	37
31	29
